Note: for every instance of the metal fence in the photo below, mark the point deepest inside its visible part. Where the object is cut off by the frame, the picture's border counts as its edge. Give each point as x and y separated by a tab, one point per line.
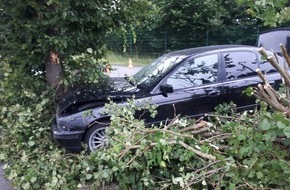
154	43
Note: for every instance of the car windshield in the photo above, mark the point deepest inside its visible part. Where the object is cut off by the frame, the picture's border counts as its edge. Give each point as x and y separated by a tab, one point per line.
152	72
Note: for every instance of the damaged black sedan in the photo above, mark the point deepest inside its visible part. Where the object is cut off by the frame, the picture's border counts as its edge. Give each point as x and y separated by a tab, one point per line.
190	82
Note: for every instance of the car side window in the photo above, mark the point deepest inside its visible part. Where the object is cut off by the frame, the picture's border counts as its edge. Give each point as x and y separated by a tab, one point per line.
265	66
195	72
240	64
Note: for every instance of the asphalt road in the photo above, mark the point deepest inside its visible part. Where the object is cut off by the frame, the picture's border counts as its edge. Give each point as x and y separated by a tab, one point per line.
4	183
118	71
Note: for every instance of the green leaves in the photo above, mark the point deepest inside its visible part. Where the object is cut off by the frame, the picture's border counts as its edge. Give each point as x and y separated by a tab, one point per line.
249	148
31	31
286	131
265	124
274	126
31	143
2	156
257	140
271	12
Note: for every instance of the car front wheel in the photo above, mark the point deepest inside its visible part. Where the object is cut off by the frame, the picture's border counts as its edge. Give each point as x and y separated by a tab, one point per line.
95	137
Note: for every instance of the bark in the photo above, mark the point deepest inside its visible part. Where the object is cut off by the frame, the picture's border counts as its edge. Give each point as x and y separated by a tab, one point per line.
285	54
53	70
266	93
276	65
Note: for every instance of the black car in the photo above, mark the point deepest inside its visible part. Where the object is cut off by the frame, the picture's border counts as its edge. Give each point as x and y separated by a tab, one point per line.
189	82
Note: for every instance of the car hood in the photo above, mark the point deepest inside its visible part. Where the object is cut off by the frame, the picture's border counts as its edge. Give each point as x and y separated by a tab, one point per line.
76	98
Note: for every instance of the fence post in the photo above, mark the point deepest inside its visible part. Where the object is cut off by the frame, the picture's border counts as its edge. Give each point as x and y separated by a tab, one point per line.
130	62
206	43
258	33
165	41
130	42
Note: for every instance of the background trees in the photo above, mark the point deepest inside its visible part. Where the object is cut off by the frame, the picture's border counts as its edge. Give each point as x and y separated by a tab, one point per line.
271	12
196	20
173	25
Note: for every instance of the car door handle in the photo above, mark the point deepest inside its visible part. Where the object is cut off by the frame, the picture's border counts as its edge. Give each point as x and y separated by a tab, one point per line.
214	93
271	82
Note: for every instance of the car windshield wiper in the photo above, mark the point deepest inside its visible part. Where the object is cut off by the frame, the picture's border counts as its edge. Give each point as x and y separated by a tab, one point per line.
131	80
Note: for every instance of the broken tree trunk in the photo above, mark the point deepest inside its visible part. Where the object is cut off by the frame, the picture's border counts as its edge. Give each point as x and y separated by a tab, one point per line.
53	69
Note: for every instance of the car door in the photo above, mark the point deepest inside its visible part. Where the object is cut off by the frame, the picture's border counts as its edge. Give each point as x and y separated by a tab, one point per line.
196	88
239	73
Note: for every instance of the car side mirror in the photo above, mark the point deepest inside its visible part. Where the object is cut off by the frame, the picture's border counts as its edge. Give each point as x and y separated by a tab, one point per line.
166	88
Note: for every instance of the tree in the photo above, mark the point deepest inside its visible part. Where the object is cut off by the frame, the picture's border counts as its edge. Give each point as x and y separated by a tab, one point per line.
36	33
186	23
272	12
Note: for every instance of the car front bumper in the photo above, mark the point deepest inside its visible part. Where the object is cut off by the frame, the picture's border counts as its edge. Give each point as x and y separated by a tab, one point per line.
70	140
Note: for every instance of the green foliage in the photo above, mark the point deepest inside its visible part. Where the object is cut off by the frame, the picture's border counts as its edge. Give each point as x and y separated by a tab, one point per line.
200	19
84	68
259	148
149	158
246	159
33	160
136	156
31	30
272	12
254	154
173	25
275	126
226	108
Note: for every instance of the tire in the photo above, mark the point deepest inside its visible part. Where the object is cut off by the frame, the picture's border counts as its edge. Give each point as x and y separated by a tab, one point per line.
95	137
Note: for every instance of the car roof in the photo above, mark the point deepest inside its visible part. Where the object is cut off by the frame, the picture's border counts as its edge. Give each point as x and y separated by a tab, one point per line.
203	49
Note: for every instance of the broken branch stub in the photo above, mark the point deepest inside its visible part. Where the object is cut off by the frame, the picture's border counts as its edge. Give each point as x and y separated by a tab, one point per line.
285	54
275	64
265	92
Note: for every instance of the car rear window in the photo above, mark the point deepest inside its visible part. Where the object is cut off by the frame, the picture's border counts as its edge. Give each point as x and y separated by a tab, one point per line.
240	64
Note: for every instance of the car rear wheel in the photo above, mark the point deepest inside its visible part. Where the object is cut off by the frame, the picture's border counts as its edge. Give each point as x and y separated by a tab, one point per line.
96	137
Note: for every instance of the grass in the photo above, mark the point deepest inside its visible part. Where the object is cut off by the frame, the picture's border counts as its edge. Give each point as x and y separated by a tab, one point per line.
119	59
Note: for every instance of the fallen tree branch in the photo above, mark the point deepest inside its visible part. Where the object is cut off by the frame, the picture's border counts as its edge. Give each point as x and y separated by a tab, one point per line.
197	152
249	185
134	157
194	127
221	116
201	177
207	166
266	93
168	131
261	75
222	136
200	131
172	122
